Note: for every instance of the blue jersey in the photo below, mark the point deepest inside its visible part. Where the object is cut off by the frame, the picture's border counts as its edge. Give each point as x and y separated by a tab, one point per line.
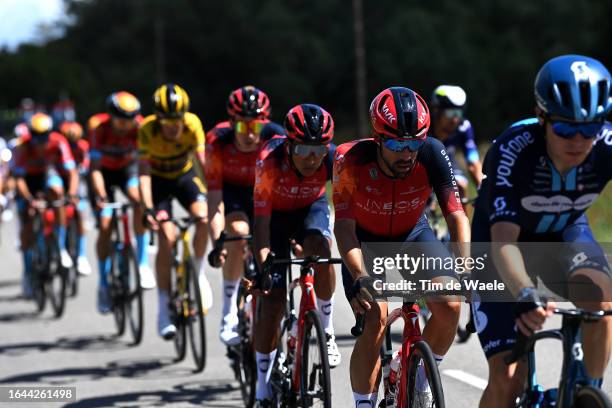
462	138
522	186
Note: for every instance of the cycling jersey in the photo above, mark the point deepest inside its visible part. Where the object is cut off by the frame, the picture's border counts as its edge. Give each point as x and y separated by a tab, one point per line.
225	164
110	150
386	206
94	121
170	158
462	138
278	187
523	187
80	152
30	160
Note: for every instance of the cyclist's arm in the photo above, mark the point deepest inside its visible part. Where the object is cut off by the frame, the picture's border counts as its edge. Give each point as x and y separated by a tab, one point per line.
145	186
348	246
73	182
475	169
261	241
507	256
22	188
460	232
216	213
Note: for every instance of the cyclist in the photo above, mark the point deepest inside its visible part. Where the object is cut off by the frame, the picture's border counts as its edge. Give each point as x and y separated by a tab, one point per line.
532	169
73	132
43	162
231	151
114	163
290	202
381	186
455	132
166	141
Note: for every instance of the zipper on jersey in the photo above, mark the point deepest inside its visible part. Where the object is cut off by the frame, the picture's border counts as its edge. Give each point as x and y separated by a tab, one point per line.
392	208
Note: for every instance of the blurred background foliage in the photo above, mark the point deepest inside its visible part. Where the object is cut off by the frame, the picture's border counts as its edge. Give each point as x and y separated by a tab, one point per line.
303	51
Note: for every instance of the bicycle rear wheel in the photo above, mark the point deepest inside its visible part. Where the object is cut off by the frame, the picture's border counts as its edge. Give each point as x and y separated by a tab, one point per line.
421	354
116	288
196	321
133	293
315	383
591	397
56	282
246	367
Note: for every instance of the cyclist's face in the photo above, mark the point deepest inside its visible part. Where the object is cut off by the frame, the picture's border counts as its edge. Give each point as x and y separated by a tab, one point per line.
400	163
122	125
247	134
567	152
306	165
447	121
172	129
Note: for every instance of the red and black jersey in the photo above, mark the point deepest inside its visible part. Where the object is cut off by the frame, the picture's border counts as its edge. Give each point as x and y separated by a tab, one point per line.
387	206
30	159
80	152
110	150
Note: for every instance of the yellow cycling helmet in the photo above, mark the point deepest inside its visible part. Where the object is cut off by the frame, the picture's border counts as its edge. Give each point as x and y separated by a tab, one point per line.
123	104
170	101
40	124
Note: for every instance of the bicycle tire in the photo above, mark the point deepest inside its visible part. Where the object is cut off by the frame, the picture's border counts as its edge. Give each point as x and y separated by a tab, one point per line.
116	289
56	278
38	289
178	317
72	245
315	383
133	299
422	352
246	370
196	322
591	397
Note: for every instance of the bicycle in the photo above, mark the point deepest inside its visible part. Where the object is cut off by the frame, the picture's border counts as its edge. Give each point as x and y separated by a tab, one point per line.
242	355
300	373
571	393
72	245
124	284
414	351
48	275
187	312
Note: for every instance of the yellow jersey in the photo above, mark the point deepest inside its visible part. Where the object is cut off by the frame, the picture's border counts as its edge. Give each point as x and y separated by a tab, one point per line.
170	159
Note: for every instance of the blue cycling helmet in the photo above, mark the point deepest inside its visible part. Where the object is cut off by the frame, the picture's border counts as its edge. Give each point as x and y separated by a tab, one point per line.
574	87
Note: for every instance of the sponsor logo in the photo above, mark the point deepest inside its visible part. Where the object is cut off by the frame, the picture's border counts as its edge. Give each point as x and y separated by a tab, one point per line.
373	174
577	351
558	203
508	154
605	135
499	203
373	190
374	206
387	112
579	258
412	190
581	70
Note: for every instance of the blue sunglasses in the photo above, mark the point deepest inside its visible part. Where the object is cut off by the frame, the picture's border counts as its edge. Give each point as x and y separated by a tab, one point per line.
567	130
397	146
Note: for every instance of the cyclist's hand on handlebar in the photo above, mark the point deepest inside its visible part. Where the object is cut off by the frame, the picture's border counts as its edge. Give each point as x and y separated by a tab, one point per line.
532	310
74	199
217	257
100	202
149	219
297	249
361	294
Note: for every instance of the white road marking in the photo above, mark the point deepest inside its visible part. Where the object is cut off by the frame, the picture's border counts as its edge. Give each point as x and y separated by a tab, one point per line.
466	378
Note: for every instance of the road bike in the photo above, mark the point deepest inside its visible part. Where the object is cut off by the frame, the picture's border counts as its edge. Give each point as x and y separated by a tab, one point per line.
571	393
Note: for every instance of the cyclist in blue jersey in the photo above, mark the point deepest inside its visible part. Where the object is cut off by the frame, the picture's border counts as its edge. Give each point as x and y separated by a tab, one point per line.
449	125
541	175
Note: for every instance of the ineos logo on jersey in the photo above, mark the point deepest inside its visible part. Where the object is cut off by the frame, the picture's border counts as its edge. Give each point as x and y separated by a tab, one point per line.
301	191
581	70
508	155
558	203
388	114
375	205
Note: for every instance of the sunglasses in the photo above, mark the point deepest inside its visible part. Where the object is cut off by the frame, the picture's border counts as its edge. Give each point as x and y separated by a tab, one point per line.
170	121
252	126
304	150
567	130
453	113
396	145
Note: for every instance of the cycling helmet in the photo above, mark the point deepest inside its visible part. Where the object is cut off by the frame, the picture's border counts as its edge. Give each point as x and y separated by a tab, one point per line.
73	131
399	112
307	123
448	97
574	87
248	102
40	124
123	104
170	101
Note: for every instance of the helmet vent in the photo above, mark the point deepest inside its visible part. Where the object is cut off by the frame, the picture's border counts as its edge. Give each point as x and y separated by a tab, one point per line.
585	96
602	93
564	94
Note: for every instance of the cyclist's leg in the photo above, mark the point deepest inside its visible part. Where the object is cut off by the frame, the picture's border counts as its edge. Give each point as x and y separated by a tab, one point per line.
35	184
103	245
55	187
83	266
590	288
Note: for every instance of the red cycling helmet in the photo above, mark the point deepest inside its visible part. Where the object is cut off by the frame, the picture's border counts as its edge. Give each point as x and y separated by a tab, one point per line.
310	124
399	113
248	102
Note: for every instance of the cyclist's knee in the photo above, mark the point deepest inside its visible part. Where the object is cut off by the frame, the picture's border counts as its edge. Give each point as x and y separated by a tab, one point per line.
238	227
375	322
56	192
316	244
504	380
448	310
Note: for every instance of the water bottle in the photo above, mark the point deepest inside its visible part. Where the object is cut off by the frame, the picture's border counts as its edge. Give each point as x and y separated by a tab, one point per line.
395	372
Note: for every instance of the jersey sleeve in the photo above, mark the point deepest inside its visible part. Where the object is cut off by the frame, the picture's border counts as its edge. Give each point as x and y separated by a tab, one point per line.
144	140
83	145
66	158
603	150
18	164
95	137
440	173
344	184
469	144
264	182
214	163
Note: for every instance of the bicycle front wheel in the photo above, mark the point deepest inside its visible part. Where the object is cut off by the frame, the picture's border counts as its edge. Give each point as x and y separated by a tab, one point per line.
315	384
196	321
416	394
133	291
591	397
118	295
56	283
246	370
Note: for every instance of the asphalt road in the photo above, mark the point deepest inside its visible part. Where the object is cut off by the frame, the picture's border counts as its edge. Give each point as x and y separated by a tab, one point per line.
80	350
